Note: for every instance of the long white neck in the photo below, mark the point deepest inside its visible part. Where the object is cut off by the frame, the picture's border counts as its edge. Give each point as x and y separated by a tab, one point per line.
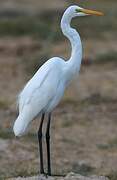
73	64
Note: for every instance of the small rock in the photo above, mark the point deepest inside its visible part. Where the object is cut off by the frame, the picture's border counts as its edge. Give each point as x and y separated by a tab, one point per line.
73	176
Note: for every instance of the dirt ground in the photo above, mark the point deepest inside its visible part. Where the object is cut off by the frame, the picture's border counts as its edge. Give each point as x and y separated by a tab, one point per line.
70	176
84	125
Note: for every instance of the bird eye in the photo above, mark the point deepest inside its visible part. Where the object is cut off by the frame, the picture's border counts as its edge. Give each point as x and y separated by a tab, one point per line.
78	10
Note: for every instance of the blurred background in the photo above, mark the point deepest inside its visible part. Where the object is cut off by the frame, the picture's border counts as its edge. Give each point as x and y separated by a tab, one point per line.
84	126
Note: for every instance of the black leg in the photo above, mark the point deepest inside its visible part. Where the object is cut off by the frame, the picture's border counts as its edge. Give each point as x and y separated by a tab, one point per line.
40	144
48	144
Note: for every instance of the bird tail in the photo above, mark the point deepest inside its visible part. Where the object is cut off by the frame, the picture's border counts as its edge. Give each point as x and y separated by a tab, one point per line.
22	122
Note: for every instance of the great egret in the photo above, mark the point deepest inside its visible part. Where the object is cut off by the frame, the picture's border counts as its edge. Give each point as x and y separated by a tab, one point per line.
46	88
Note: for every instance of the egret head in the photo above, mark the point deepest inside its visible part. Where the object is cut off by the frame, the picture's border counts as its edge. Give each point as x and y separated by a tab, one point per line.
74	11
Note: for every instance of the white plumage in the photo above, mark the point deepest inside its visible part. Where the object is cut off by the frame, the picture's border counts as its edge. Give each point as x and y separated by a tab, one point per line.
46	88
41	94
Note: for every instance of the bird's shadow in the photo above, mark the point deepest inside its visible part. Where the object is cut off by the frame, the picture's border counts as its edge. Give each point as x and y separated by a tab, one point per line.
54	175
58	175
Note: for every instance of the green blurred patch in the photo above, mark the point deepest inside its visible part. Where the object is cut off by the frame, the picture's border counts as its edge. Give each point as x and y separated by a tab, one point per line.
94	99
103	146
24	26
106	58
83	169
4	104
97	98
67	123
112	176
30	26
8	134
108	146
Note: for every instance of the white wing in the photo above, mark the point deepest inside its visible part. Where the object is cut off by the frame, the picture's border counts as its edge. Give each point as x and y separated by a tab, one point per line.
38	93
41	89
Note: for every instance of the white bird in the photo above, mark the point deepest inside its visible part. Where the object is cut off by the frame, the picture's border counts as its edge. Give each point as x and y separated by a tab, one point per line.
44	91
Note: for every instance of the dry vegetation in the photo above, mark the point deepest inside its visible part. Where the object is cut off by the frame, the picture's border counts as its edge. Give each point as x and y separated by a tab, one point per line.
85	123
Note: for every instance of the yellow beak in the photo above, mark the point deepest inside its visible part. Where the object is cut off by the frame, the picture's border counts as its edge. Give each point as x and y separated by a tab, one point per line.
91	12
